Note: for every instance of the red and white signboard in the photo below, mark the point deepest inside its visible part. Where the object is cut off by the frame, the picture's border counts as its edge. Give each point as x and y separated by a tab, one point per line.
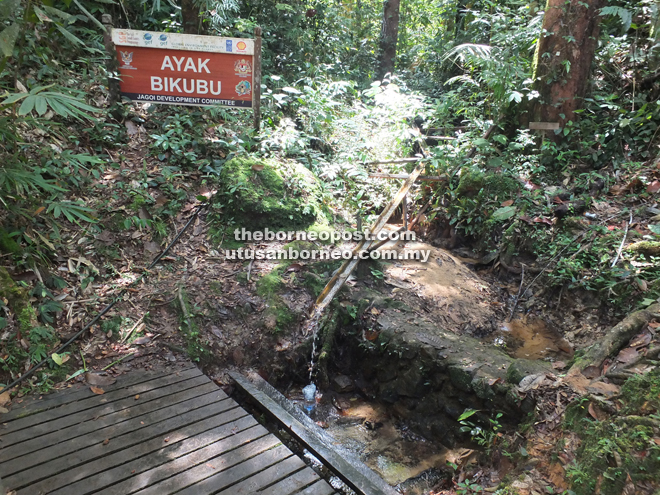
183	69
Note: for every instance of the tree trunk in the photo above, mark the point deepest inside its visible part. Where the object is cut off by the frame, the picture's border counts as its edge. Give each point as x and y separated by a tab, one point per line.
388	37
564	53
190	16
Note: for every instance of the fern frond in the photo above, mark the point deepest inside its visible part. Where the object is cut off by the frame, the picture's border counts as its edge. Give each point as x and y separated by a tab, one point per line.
462	52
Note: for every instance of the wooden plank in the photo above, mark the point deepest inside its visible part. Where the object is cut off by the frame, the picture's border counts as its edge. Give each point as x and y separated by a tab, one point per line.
260	480
249	442
45	403
318	488
342	462
431	178
233	466
114	468
229	478
296	482
544	126
69	415
17	473
80	435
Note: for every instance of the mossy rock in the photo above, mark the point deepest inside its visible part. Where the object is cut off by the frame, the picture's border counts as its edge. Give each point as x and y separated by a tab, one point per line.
268	193
521	368
500	185
648	248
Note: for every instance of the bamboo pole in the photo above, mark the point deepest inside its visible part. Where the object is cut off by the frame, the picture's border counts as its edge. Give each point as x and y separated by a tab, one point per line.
338	280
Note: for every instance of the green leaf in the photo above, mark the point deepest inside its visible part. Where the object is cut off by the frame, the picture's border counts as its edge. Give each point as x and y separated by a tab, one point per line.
655	229
466	414
90	16
8	39
27	106
40	105
3	322
647	302
77	373
62	15
57	359
69	36
8	7
503	213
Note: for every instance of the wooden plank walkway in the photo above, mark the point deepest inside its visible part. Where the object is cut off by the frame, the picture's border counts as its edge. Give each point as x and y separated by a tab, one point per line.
324	447
149	433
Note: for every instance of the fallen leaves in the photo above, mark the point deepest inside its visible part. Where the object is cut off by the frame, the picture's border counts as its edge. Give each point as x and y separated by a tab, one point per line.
653	187
97	390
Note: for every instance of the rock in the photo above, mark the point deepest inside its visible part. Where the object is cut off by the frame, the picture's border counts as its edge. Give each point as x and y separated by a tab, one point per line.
342	384
521	368
410	383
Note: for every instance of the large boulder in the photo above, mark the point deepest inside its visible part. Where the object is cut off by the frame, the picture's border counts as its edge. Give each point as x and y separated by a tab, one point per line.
273	194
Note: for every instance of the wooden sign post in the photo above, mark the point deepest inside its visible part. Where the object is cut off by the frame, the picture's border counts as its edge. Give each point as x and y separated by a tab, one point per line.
185	69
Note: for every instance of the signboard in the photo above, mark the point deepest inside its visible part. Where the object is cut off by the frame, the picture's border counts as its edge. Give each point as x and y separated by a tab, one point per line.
544	126
184	69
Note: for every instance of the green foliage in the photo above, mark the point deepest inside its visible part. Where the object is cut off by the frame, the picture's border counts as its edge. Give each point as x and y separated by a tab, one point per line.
486	436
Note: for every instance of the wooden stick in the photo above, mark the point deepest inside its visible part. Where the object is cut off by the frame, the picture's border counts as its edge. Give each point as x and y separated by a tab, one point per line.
112	64
623	241
256	79
117	361
394	160
522	279
132	329
379	175
440	138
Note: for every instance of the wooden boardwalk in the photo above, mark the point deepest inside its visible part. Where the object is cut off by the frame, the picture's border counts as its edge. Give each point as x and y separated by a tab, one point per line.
149	433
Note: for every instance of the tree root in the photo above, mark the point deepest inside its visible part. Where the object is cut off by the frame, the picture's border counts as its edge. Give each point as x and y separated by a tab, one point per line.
615	339
639	420
517	270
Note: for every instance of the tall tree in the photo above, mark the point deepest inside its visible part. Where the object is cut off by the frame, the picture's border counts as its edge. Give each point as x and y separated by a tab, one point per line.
388	37
564	53
190	16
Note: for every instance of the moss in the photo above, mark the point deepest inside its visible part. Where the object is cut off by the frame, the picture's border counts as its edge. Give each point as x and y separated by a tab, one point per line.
323	232
16	296
278	316
8	244
27	319
621	446
493	185
271	194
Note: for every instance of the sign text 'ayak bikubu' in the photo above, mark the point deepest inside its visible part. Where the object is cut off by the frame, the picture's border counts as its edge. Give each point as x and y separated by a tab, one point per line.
183	69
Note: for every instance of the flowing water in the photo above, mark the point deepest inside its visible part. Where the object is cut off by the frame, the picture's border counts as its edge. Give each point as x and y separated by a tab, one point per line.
385	445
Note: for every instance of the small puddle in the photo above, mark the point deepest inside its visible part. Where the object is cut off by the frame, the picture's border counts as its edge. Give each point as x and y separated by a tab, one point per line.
531	338
384	444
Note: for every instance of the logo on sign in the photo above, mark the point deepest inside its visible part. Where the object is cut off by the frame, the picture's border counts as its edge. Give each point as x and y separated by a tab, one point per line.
147	38
242	68
127	58
241	46
243	88
229	45
163	39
